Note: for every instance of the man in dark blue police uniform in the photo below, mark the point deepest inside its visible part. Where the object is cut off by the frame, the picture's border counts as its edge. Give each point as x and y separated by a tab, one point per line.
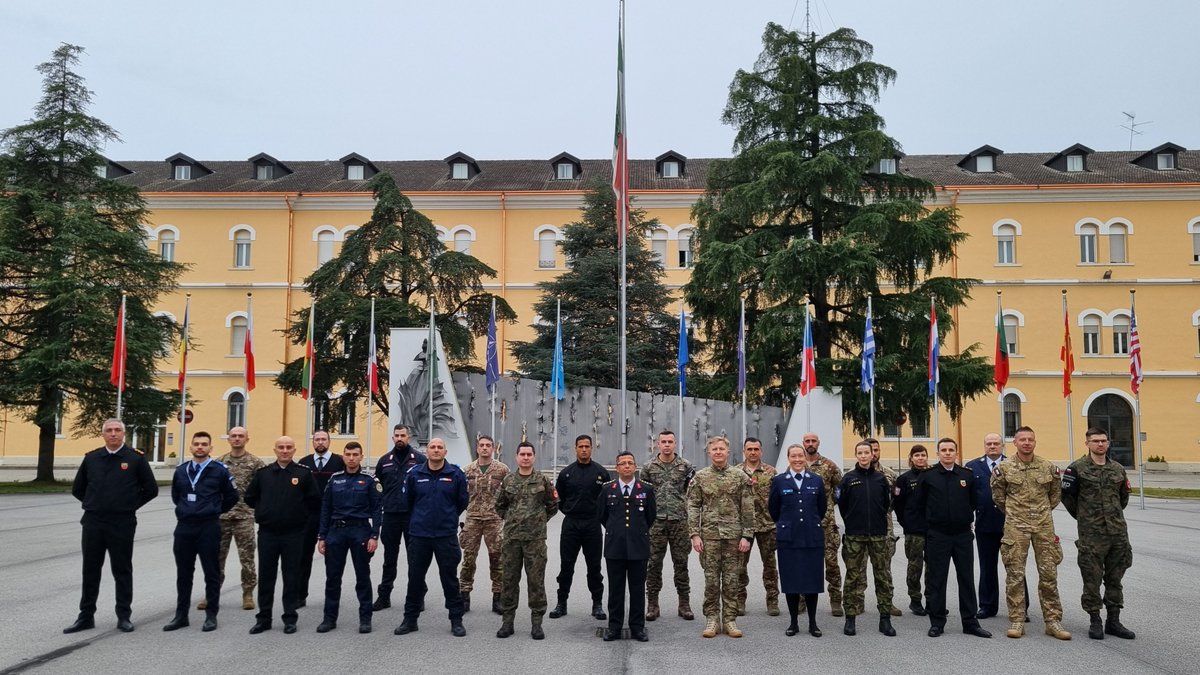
436	492
626	510
390	470
202	490
579	485
323	465
351	513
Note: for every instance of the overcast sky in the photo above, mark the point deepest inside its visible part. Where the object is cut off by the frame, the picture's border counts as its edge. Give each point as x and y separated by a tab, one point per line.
394	79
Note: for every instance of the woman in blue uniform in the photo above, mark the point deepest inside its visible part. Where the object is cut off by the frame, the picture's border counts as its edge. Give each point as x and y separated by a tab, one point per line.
797	504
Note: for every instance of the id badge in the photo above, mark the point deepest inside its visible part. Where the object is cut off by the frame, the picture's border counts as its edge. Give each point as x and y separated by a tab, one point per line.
191	497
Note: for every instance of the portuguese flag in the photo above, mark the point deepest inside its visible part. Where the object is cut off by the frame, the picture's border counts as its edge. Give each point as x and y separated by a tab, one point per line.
1001	367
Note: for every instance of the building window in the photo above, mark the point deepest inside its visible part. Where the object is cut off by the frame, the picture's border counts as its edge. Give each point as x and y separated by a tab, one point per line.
183	172
166	245
985	164
264	172
1087	243
547	250
685	249
1074	163
658	246
1196	246
1091	335
324	247
321	412
1116	244
1011	326
237	336
1120	335
235	407
355	171
670	169
887	165
891	430
459	170
920	423
462	242
1006	245
346	420
1012	415
564	171
1166	161
241	249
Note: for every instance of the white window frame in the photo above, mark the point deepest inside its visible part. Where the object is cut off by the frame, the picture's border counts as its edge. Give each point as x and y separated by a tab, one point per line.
183	172
1120	335
658	245
1012	331
1118	244
264	171
1012	411
235	409
1194	230
670	169
325	243
1006	244
686	253
985	164
1088	235
462	241
564	171
1165	161
166	245
547	246
1089	325
237	335
356	172
1074	163
459	171
887	165
348	420
242	249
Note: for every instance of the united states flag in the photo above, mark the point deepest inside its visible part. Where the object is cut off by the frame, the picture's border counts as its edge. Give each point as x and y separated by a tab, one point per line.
1135	353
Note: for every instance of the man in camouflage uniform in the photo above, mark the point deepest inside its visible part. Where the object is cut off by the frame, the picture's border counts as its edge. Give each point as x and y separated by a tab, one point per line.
484	477
764	527
237	524
831	476
1026	489
527	499
891	477
670	475
1096	492
720	508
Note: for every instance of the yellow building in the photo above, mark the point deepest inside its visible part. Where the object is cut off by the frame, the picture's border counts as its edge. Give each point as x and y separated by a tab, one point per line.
1096	224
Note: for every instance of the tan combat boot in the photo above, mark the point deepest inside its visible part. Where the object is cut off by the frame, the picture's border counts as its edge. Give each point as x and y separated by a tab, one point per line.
732	630
1055	629
710	627
835	607
1016	629
773	607
248	599
203	604
685	608
652	607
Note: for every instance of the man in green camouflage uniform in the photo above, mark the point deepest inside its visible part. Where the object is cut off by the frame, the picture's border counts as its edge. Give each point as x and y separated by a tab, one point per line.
484	477
670	475
764	527
891	477
720	508
1026	490
237	524
831	476
1096	492
527	499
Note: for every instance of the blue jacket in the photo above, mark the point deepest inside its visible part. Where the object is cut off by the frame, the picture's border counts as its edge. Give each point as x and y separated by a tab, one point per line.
215	491
352	496
391	470
435	499
797	512
988	518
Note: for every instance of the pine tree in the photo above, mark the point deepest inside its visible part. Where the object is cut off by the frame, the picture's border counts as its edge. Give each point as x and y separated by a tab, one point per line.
590	305
397	258
70	242
803	211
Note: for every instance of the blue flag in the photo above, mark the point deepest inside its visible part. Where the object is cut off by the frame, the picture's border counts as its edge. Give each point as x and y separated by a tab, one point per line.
557	388
934	370
742	352
868	357
492	374
683	353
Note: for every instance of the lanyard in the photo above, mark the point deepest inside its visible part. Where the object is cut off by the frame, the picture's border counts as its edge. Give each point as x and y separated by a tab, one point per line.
199	472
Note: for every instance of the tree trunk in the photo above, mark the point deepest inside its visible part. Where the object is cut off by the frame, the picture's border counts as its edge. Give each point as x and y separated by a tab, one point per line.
45	462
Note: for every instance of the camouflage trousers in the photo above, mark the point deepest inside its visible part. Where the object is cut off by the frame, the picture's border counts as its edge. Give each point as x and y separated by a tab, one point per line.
529	554
891	536
770	576
1103	559
722	563
855	550
489	532
240	530
675	534
914	550
1047	553
833	571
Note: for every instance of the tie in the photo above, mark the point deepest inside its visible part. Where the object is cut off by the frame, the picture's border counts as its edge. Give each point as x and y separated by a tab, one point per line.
626	491
192	470
991	466
320	463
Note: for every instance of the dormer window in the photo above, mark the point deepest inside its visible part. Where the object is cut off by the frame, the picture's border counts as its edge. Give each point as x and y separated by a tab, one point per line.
981	159
670	164
566	166
264	172
460	171
564	171
358	167
1074	163
183	172
887	165
462	166
102	170
355	171
985	164
1163	158
186	168
1165	161
670	169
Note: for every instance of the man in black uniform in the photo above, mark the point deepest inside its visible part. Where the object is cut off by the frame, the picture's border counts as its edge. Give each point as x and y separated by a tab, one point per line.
351	514
627	510
323	465
579	486
201	490
390	471
282	494
946	495
113	482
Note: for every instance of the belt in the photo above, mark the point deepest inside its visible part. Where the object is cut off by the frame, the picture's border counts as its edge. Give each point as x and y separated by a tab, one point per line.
352	522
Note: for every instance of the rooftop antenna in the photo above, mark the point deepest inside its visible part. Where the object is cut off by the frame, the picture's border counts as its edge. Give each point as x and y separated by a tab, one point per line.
1132	126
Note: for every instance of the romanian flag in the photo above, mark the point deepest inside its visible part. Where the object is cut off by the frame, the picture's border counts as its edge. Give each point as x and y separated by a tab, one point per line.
183	346
120	351
306	374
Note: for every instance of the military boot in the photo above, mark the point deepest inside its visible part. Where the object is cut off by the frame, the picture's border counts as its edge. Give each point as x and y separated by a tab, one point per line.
1096	628
1113	626
466	603
772	606
835	607
895	611
496	604
885	625
560	610
248	598
1016	629
536	631
685	608
506	629
710	627
732	630
652	607
1055	629
850	628
741	605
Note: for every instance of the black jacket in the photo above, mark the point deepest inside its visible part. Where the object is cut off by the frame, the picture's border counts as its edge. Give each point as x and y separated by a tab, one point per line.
283	497
214	492
333	464
863	499
390	470
626	521
947	498
114	483
903	503
579	486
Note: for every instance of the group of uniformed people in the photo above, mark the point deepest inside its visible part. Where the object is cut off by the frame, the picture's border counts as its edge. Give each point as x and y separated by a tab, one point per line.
329	502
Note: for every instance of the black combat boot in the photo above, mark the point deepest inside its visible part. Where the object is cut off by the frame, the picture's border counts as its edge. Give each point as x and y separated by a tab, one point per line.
885	625
1113	626
849	629
1096	628
560	610
496	604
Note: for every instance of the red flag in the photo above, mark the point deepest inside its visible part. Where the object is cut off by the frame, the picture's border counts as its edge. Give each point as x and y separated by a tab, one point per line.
248	346
1001	367
306	372
183	346
1065	356
120	352
1135	353
620	183
808	364
372	362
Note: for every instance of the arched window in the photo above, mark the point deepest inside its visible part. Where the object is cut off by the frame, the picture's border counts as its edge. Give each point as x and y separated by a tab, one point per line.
166	245
547	249
1120	334
462	241
235	410
237	337
324	247
347	418
241	248
1087	242
1012	415
1117	239
686	257
1091	335
1006	247
658	245
1011	327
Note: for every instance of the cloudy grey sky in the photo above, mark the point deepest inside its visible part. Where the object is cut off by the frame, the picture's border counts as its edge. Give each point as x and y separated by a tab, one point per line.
393	79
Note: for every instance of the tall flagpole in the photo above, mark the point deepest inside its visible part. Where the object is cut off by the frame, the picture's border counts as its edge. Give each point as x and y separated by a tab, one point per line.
123	358
742	374
682	362
869	316
937	367
312	366
493	387
372	378
187	305
621	183
1068	364
432	363
557	392
1135	379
